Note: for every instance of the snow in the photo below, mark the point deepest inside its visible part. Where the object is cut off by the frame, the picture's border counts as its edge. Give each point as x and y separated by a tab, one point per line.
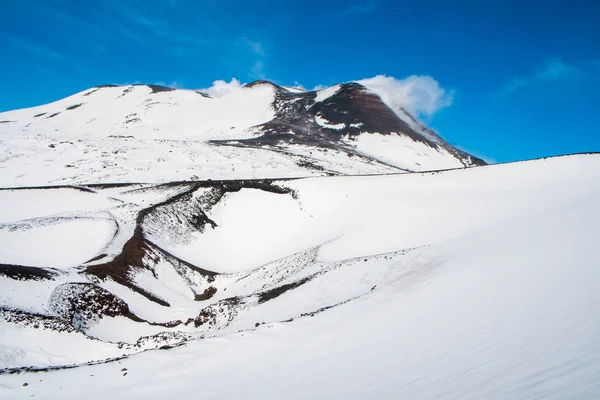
498	300
43	347
31	162
326	93
59	244
294	89
121	329
251	221
326	124
16	205
405	153
32	298
456	283
121	111
130	134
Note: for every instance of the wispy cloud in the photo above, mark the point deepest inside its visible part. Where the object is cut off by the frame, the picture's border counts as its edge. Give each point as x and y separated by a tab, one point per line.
149	25
173	84
257	53
255	47
30	47
359	9
553	71
257	70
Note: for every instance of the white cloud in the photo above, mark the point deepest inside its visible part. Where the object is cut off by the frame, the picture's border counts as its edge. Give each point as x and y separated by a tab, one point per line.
556	69
173	84
220	88
552	71
257	70
420	95
255	47
359	9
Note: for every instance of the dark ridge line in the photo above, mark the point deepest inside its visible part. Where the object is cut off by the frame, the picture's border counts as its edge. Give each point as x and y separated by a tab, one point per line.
98	257
132	253
206	183
19	370
142	214
26	273
202	271
84	187
119	267
148	188
263	82
275	292
155	88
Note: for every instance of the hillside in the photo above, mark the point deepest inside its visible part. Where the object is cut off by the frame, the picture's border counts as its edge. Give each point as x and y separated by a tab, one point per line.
149	133
475	282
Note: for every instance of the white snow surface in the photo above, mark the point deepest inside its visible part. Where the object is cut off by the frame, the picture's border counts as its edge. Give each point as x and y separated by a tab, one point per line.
130	134
326	93
59	244
326	124
478	283
404	152
133	134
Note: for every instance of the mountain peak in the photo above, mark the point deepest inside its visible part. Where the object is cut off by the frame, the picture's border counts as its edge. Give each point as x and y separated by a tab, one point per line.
345	128
261	82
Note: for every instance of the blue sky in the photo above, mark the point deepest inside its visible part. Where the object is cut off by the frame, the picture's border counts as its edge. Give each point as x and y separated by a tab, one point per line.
516	79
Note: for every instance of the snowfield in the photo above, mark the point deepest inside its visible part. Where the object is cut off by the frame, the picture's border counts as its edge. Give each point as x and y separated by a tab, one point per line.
477	283
148	133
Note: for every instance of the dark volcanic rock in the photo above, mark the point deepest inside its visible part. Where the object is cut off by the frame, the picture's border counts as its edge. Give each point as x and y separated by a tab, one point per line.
278	291
121	269
361	111
351	111
23	273
157	88
84	302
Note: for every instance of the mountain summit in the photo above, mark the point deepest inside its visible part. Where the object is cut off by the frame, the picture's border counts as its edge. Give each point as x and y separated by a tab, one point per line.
260	130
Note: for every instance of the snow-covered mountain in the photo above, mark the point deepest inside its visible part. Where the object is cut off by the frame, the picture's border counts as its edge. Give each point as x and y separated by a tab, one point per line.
148	133
158	243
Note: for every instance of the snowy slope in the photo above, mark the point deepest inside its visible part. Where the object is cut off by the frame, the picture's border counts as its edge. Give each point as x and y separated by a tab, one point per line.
470	283
148	133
